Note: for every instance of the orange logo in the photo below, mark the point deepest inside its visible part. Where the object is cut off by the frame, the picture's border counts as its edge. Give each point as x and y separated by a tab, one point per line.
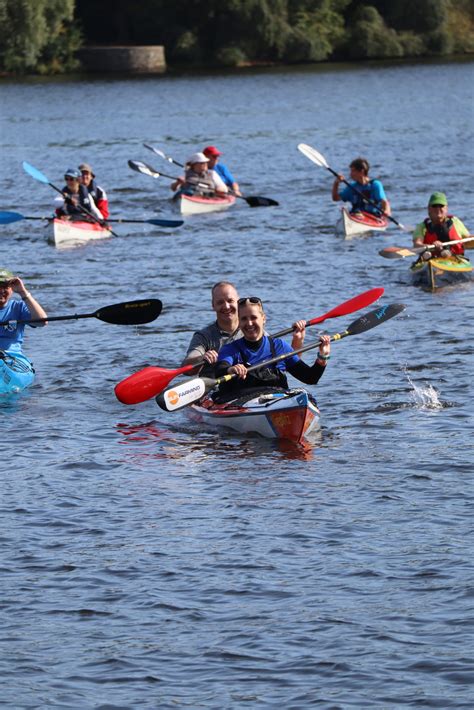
172	397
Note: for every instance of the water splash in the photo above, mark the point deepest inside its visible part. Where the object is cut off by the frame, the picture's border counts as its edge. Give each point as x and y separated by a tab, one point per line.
424	397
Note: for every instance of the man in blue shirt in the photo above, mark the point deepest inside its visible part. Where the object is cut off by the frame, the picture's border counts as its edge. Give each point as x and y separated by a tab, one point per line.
362	186
213	154
12	310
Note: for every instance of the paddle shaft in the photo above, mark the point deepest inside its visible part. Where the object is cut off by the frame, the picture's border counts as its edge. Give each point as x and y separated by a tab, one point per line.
10	217
392	252
128	313
420	250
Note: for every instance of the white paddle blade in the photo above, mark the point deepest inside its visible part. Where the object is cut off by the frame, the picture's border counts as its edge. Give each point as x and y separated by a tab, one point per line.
313	155
140	167
157	152
184	394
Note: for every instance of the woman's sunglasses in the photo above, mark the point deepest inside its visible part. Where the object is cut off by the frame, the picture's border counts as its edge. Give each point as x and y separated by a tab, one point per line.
249	299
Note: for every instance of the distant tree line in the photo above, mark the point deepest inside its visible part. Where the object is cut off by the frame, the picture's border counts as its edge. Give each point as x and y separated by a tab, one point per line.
43	36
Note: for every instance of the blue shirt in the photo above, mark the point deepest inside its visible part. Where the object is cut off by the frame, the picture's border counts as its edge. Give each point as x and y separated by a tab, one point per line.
238	352
225	174
373	191
11	336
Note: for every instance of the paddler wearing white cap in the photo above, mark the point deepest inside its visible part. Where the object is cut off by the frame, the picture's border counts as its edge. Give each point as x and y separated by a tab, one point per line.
198	179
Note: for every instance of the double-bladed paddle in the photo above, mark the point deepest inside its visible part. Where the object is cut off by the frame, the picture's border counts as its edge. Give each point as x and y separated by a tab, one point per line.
189	392
150	381
127	313
402	252
319	159
10	217
38	175
252	201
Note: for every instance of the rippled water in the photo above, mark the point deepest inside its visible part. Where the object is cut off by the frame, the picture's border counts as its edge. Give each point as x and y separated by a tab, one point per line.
147	563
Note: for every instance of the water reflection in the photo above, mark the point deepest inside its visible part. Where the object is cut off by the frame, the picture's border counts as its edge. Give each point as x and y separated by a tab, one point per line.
181	443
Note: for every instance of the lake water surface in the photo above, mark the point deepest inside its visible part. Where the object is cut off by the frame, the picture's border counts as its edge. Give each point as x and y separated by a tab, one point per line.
148	563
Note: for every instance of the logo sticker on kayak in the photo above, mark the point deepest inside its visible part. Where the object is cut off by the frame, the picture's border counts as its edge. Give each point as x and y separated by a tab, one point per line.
184	394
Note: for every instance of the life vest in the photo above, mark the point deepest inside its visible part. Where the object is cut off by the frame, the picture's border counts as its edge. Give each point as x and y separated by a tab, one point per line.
199	183
269	376
71	210
445	232
359	204
99	196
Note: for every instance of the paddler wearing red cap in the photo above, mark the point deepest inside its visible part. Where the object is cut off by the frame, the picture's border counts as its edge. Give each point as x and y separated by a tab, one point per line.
213	154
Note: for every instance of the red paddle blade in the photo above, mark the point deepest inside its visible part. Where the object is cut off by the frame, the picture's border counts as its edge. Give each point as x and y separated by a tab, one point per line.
146	383
353	304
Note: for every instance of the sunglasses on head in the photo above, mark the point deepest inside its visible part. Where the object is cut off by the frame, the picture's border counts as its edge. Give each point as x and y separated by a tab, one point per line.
249	299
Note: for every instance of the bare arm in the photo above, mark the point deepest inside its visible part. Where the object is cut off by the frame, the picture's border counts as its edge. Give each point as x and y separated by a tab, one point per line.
35	309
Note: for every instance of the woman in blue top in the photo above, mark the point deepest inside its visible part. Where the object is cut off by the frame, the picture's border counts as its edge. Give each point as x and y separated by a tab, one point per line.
361	183
255	347
13	310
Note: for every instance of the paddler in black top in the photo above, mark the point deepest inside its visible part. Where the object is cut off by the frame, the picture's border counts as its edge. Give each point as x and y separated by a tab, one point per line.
206	343
75	196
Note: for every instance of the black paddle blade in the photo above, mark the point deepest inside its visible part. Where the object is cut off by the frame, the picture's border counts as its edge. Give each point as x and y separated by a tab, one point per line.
255	201
131	312
374	318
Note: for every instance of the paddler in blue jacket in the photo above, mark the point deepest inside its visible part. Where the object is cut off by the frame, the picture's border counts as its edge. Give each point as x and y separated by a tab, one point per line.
255	347
213	154
26	307
361	183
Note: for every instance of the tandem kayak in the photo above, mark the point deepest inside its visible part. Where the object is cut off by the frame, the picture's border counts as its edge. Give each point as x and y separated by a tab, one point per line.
441	271
197	204
66	233
352	224
275	414
16	372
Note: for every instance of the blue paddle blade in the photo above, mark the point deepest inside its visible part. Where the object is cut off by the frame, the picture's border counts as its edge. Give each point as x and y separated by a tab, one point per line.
166	222
34	172
10	217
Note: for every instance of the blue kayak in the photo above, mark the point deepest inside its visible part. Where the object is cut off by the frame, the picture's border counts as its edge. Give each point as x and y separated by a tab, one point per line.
16	372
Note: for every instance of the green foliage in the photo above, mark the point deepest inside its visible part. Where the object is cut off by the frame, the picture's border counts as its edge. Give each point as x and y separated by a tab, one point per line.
42	35
370	37
37	35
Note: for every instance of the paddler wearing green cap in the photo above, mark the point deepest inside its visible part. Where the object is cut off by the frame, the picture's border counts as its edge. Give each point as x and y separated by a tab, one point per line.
440	227
13	310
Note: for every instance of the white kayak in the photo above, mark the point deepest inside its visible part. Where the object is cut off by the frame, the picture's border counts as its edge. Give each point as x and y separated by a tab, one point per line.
68	233
284	414
352	224
197	204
